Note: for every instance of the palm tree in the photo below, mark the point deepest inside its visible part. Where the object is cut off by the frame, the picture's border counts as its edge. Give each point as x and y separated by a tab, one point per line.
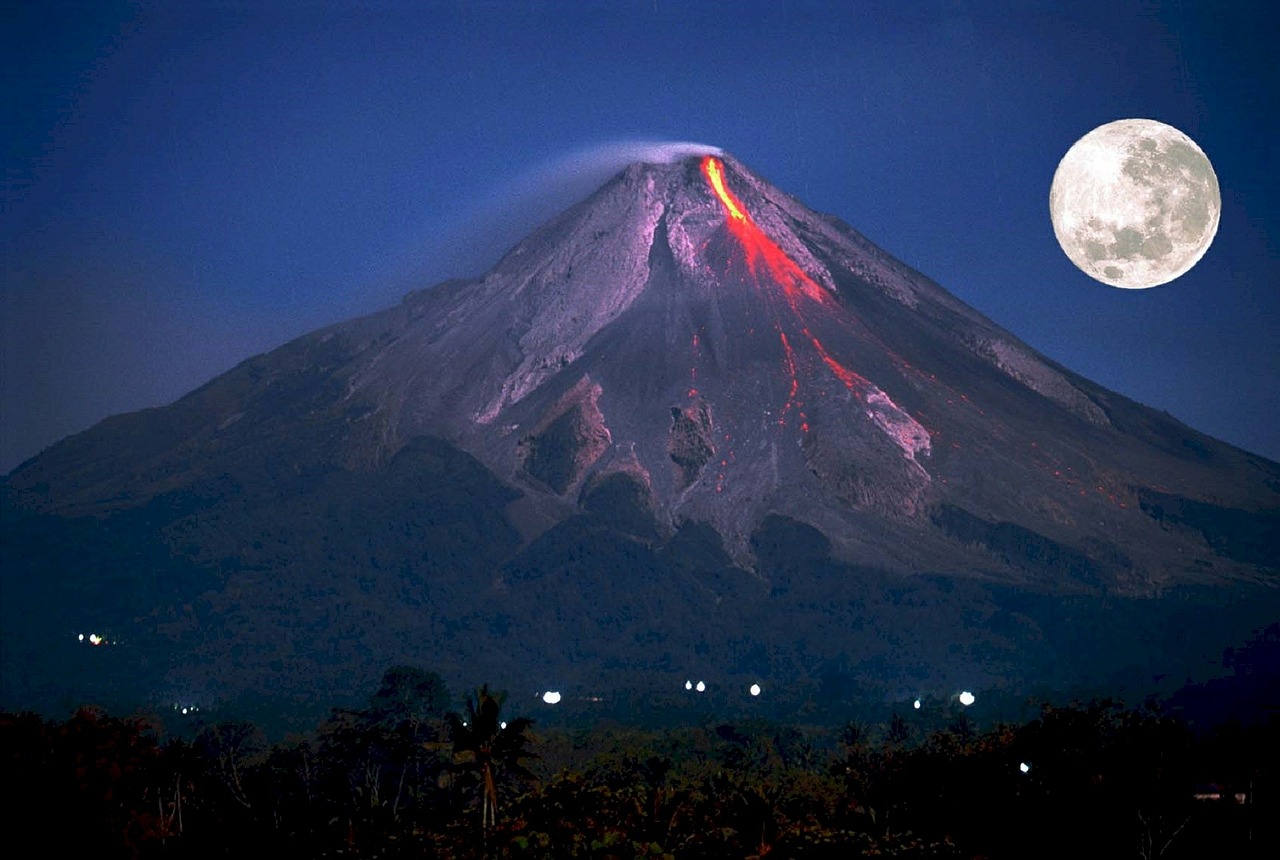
486	746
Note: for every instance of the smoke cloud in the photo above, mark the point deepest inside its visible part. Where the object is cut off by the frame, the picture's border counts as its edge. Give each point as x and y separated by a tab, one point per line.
614	156
522	202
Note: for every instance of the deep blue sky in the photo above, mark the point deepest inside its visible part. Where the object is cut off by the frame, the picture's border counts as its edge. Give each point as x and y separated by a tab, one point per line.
189	184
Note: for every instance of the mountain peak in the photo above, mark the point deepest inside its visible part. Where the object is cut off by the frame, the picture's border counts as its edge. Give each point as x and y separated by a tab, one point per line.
686	407
696	329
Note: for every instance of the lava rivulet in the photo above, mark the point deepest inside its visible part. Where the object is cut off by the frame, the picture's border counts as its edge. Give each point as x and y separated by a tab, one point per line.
789	363
761	251
766	259
783	271
711	167
759	248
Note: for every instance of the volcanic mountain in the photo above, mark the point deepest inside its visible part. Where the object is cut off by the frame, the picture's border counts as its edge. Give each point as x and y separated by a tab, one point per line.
687	423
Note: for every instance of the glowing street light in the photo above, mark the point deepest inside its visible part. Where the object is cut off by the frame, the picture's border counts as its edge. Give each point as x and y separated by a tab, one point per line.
688	685
702	687
755	689
916	704
967	698
1024	767
551	697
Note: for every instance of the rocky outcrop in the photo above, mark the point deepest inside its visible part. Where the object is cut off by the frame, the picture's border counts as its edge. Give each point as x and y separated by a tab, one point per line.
689	444
568	440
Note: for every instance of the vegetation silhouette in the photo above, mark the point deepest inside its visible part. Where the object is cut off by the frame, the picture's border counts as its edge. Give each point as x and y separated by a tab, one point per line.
485	747
405	777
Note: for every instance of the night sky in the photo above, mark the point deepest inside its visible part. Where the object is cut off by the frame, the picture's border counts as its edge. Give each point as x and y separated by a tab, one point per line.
189	184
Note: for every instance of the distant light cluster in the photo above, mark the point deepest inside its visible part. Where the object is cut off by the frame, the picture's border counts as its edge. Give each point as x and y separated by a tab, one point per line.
95	639
966	698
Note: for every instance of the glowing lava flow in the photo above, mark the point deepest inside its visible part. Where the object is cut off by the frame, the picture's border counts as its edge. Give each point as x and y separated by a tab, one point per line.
711	167
851	380
765	257
783	270
789	363
759	247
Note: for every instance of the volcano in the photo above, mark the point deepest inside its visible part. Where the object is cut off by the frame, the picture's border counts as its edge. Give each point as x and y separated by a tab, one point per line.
689	423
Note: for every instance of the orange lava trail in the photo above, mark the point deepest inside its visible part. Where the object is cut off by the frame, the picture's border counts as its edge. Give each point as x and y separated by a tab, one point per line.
789	362
766	259
852	381
762	253
760	249
714	173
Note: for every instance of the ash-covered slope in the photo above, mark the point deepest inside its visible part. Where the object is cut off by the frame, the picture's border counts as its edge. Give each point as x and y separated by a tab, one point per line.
665	379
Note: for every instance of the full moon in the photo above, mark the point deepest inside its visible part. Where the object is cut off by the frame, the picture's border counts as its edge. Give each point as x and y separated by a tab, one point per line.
1135	203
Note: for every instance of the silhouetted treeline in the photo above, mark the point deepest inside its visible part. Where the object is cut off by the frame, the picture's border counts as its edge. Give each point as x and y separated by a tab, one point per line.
409	776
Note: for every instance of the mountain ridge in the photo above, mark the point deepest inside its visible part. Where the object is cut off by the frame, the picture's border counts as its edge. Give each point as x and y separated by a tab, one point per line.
518	342
686	423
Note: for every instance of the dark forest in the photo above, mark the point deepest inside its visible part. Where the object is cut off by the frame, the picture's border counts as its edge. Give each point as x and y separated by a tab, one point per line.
416	773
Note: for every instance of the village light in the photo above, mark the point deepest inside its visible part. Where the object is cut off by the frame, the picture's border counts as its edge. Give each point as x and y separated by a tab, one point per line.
1024	767
916	704
967	698
755	689
702	687
551	697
